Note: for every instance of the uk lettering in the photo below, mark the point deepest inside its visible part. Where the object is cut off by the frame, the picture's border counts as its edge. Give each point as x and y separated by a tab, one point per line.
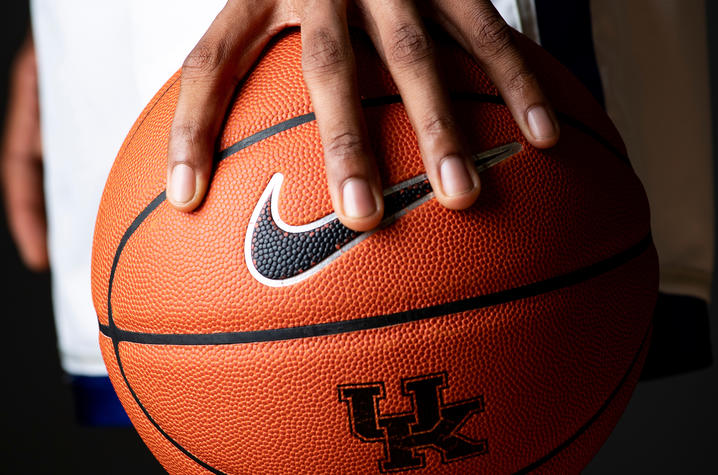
431	425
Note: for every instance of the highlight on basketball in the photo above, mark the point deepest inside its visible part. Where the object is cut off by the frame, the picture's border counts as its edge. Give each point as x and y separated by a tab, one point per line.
307	236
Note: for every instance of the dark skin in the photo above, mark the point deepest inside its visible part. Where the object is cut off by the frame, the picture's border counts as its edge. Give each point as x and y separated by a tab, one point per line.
233	42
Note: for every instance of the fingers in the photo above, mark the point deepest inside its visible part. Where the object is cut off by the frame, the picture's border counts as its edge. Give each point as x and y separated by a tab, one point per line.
209	76
22	164
405	46
330	74
480	29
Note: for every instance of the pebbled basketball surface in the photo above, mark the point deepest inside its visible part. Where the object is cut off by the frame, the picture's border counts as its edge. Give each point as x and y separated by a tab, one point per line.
506	338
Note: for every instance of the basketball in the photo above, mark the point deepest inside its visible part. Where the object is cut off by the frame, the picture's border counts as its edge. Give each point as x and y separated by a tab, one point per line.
259	335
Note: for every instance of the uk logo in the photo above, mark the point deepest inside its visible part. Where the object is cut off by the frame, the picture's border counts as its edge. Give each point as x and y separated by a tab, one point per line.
432	424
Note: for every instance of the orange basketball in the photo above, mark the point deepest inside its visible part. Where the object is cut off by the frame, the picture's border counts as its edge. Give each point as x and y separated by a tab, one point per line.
258	335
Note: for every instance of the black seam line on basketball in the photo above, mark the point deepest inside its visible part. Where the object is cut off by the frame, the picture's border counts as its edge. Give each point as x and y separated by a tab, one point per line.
159	199
156	425
112	332
139	219
296	121
380	321
587	425
396	99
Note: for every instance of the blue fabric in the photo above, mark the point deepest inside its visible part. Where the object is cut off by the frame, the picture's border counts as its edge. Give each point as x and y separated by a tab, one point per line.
96	404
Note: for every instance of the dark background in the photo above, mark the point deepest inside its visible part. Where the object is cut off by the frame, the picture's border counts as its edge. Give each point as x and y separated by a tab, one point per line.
670	426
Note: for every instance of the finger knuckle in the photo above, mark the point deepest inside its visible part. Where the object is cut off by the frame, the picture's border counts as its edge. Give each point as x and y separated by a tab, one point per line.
324	53
205	58
409	44
435	125
490	35
520	80
186	132
344	146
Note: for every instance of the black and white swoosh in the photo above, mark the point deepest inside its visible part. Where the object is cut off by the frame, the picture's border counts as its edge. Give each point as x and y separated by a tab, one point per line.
279	254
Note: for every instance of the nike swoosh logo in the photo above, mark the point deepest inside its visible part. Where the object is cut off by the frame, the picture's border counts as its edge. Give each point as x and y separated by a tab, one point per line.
278	254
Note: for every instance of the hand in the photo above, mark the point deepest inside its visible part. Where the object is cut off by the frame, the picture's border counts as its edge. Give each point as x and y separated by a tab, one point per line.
236	38
21	161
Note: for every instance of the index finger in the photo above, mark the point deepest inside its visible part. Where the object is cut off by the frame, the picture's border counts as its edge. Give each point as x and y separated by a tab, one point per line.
208	79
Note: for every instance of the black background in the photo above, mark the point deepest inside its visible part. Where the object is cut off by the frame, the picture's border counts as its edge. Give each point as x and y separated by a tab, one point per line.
670	426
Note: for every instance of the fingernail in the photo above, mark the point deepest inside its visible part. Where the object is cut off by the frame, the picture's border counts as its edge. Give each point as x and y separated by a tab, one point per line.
358	199
182	183
540	123
455	179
